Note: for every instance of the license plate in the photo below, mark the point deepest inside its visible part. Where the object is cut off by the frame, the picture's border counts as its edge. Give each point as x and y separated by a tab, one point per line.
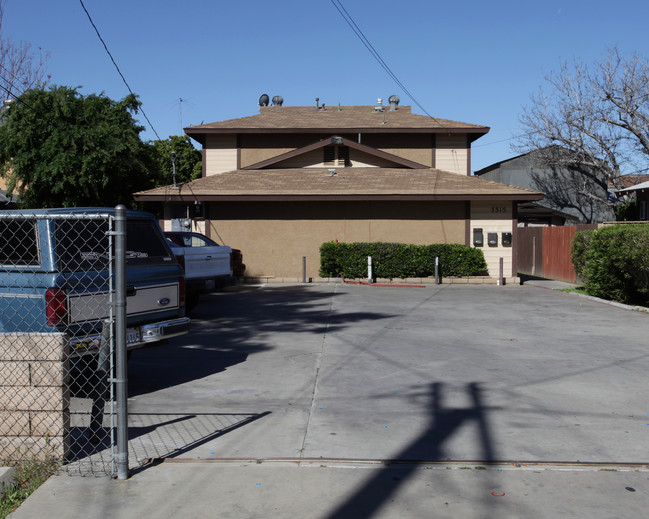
132	336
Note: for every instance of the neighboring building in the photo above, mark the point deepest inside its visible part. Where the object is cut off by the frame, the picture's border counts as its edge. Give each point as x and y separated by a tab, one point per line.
641	192
571	195
279	184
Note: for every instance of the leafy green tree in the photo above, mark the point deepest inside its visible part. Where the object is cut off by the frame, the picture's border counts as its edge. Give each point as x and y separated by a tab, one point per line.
187	159
59	148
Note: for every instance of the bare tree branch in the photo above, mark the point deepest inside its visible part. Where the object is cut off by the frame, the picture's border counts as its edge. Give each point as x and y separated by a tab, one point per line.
20	67
593	124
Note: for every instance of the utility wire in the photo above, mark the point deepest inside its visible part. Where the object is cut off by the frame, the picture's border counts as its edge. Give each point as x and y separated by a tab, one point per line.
368	45
11	94
116	67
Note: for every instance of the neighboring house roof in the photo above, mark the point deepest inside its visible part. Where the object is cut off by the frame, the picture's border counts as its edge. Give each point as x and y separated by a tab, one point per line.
364	119
345	184
637	187
532	210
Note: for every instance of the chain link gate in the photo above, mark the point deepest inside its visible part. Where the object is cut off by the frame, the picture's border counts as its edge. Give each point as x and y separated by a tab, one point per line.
62	306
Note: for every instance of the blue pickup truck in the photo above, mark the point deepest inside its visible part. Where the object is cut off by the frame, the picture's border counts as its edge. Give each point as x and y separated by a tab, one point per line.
55	276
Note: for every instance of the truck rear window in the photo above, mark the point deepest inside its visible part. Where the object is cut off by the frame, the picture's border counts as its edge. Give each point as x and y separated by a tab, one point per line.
18	243
84	244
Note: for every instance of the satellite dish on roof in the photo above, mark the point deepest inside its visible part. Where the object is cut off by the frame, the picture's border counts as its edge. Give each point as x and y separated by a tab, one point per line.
278	100
263	100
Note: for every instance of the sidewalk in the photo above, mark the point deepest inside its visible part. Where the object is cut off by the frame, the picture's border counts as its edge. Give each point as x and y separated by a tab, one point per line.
194	490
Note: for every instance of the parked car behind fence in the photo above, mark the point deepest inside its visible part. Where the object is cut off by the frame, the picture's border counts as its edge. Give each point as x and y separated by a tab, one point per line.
208	265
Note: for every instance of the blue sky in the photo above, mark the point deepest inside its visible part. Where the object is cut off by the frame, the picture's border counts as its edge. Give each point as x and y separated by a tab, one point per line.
472	61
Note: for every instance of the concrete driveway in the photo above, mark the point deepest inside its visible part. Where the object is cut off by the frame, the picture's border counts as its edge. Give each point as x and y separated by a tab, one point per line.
338	401
443	373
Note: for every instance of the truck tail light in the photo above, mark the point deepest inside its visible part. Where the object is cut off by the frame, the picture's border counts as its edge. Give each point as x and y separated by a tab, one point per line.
181	290
55	309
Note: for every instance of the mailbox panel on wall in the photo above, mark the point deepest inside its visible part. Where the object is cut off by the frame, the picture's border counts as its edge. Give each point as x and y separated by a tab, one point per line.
506	239
478	239
492	239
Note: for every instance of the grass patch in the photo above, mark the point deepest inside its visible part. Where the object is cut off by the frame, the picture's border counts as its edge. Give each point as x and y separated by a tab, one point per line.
29	476
571	290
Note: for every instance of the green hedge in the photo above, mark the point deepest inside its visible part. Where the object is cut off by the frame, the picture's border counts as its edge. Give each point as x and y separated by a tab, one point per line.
400	260
613	262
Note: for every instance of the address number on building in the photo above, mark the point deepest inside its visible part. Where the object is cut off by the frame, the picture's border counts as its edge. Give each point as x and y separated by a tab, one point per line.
496	209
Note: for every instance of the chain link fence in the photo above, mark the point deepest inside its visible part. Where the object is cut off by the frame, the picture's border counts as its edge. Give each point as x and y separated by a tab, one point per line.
57	340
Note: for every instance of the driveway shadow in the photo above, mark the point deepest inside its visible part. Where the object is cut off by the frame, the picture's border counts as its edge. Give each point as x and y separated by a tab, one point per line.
229	326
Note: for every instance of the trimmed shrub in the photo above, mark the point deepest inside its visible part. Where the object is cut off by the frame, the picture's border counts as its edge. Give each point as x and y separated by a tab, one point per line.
578	249
400	260
614	263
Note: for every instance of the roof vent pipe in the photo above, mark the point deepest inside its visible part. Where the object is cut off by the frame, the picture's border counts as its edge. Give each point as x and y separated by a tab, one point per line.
394	102
379	105
278	100
317	103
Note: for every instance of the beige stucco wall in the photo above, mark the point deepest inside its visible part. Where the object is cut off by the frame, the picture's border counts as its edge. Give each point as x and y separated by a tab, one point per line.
416	147
494	217
220	154
274	237
452	154
315	159
259	147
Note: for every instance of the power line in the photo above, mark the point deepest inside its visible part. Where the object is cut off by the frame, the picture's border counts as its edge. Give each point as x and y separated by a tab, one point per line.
116	67
11	94
368	45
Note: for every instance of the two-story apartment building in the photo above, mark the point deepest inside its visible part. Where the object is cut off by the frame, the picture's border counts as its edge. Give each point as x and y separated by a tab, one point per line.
279	184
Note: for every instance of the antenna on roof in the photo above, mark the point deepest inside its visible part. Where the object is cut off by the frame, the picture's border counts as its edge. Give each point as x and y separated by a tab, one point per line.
263	100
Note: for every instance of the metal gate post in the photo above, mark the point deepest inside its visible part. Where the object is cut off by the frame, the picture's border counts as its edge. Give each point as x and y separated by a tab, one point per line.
121	390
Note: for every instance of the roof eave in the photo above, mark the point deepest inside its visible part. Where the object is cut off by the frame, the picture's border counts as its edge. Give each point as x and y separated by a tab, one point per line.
479	130
195	197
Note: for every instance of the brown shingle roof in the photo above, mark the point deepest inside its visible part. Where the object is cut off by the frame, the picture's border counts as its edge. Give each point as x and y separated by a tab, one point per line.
346	184
351	118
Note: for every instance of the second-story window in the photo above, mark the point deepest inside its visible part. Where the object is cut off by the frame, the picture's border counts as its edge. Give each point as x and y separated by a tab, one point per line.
336	156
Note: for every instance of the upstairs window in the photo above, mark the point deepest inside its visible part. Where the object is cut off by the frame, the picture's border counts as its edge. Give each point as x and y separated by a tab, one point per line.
336	156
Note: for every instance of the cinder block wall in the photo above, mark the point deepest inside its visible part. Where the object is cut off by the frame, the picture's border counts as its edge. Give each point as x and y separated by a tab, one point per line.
34	396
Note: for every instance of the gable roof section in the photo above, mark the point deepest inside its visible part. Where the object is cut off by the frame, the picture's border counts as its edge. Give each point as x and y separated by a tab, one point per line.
637	187
354	119
317	184
336	140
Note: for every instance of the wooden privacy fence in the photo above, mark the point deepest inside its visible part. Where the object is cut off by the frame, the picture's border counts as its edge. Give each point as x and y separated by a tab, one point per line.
545	251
